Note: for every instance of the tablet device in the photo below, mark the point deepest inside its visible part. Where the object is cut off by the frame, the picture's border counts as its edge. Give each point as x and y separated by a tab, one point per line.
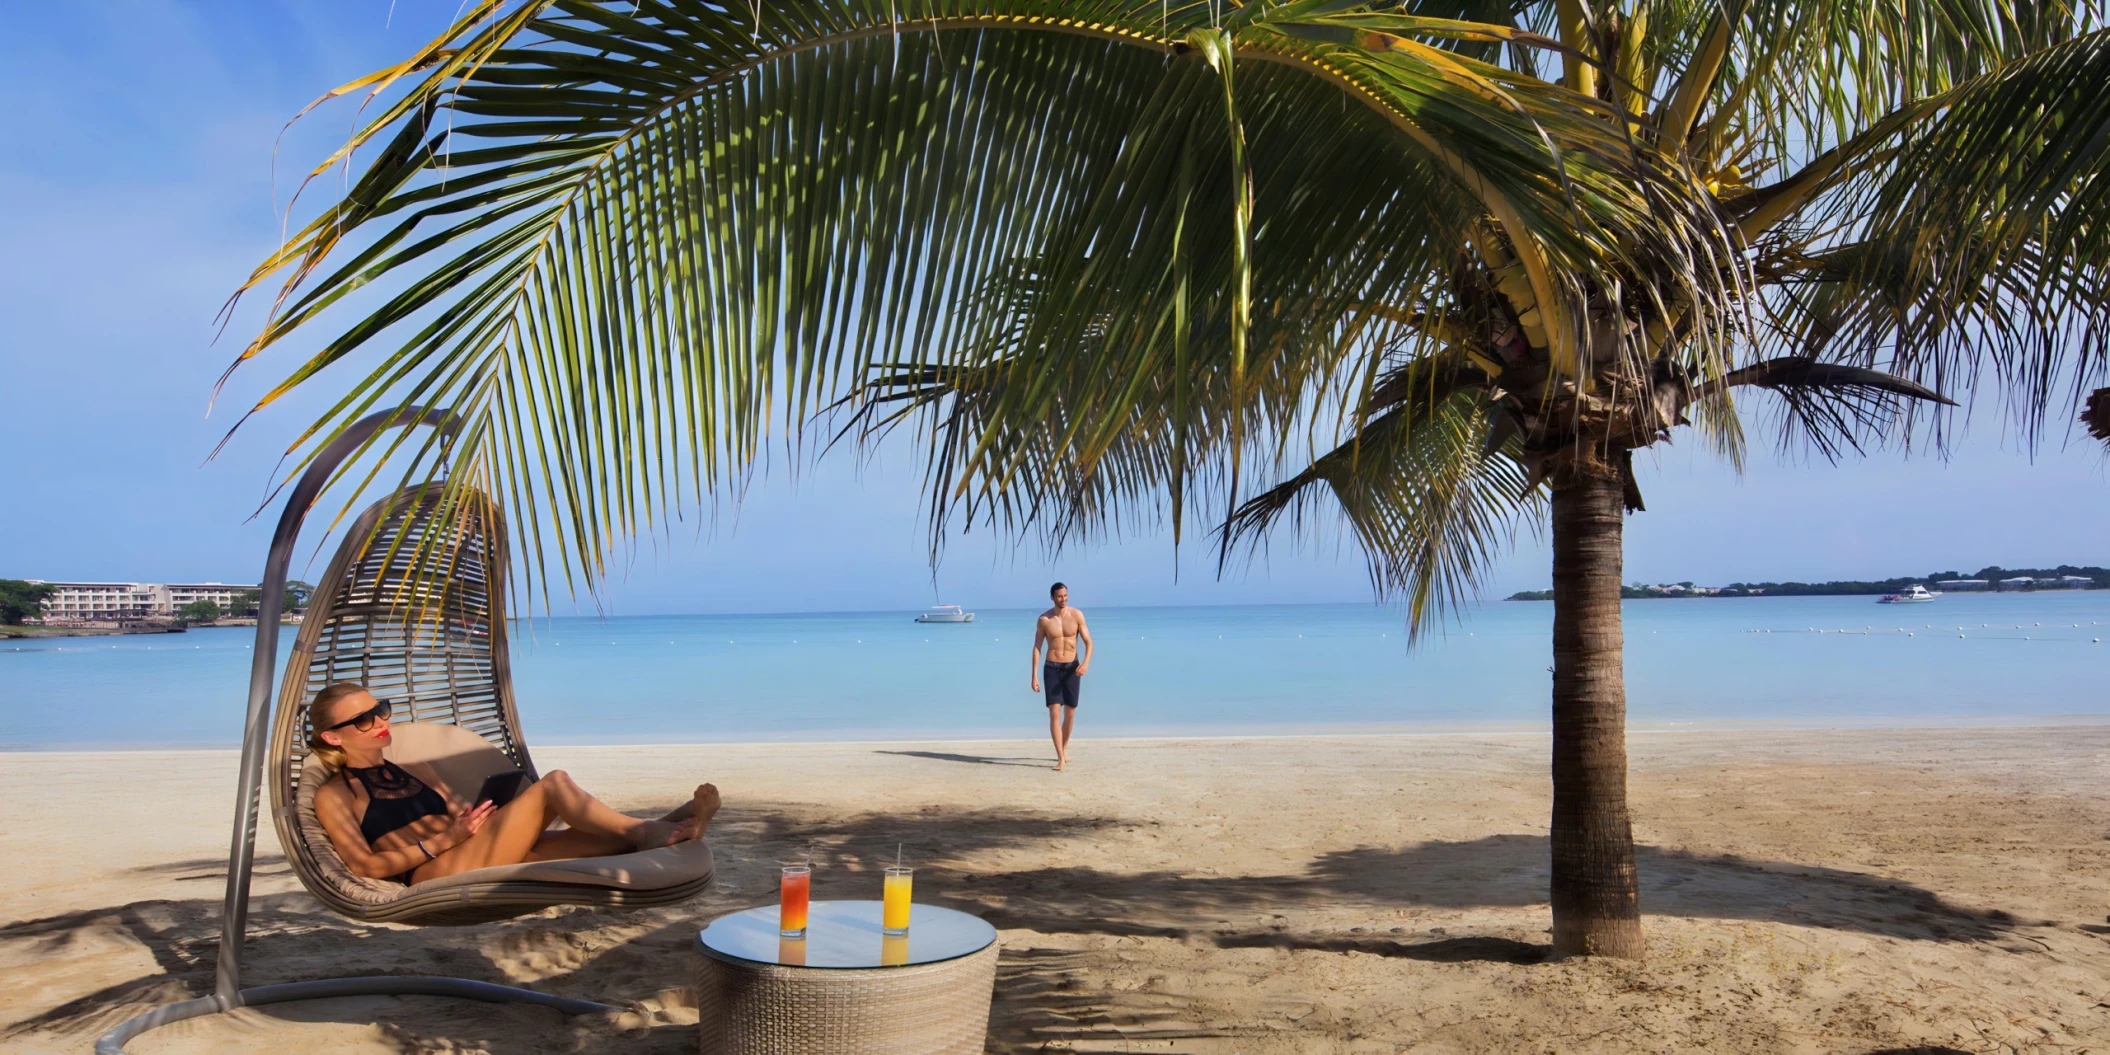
499	788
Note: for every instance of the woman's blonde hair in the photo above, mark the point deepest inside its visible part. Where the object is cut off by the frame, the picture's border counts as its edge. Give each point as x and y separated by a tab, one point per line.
321	750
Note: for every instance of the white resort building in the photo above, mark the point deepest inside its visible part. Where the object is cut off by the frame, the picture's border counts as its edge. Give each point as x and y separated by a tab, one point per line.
76	602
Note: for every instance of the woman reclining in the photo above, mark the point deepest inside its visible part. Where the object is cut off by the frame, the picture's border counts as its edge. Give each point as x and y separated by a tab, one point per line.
404	823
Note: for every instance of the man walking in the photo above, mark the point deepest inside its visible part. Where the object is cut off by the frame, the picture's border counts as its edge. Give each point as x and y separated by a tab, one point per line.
1061	627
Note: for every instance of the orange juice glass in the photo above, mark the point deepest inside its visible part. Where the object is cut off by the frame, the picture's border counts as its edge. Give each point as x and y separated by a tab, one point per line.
893	917
796	888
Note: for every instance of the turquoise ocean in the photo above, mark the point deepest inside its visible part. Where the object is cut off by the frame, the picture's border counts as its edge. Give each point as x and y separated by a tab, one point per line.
1221	670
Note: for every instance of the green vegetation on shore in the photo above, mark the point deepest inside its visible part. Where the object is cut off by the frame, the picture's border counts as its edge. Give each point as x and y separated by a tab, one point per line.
20	599
1992	575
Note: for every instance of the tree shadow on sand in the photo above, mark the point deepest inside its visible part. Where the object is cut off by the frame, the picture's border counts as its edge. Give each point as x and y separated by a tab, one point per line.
983	760
1044	996
1497	871
182	935
642	958
199	869
183	938
1442	950
1045	993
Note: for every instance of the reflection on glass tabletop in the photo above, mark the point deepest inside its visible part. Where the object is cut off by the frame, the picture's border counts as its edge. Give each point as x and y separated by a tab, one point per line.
847	934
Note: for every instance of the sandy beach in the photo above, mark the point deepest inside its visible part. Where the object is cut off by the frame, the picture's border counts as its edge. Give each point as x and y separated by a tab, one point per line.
1807	891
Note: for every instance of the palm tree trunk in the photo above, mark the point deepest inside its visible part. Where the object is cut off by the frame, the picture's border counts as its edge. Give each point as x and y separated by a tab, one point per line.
1596	907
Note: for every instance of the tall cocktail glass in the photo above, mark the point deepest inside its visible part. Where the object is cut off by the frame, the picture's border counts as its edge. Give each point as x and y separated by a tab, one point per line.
893	916
796	888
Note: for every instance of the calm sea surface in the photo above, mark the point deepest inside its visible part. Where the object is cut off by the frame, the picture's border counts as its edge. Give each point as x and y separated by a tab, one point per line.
1208	670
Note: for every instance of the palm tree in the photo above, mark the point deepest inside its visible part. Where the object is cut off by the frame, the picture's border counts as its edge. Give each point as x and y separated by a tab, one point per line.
1114	258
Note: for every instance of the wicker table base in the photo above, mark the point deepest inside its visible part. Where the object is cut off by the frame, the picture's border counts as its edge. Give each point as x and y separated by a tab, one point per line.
765	1009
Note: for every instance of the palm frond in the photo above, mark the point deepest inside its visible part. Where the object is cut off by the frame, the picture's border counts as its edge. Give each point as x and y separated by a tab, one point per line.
1799	77
1800	373
1112	259
2096	416
630	242
1975	249
1092	459
1431	501
1829	408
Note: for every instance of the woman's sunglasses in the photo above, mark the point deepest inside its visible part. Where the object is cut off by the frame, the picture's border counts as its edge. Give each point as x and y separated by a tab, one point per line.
364	720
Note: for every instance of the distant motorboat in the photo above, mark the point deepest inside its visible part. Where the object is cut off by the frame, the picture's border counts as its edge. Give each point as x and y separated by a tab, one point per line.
1916	595
945	613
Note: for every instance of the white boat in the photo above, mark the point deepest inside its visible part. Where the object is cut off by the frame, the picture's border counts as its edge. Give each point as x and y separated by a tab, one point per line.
1916	595
945	613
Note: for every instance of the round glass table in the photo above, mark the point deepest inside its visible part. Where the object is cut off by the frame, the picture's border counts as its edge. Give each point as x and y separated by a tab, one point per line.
847	987
846	934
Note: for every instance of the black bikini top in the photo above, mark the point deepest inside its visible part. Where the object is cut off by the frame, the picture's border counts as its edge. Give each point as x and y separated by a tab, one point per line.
395	799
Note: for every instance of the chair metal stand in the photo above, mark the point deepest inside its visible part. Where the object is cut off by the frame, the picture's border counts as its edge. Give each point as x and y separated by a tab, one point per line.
234	915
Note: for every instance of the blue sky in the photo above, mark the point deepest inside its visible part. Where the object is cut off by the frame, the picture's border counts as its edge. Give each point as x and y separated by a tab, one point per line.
136	191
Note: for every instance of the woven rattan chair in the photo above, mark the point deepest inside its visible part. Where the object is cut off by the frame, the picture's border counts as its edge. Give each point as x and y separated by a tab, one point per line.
382	617
430	636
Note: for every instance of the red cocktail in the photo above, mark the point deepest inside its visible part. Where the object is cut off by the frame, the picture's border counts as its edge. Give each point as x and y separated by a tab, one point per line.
796	889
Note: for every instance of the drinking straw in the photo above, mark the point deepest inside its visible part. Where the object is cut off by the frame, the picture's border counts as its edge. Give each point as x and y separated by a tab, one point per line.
897	855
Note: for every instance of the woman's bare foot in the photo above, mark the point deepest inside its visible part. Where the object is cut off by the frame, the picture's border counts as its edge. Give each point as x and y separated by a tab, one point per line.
703	807
651	835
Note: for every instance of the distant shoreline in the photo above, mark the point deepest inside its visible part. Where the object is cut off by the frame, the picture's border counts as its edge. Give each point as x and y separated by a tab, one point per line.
1628	593
29	632
2061	579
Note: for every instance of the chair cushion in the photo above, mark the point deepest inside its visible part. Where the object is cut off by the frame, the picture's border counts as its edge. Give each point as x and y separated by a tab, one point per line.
643	870
463	759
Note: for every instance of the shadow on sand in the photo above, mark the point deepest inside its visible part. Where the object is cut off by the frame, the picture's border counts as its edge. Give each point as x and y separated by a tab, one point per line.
1502	870
1043	995
982	760
1444	950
